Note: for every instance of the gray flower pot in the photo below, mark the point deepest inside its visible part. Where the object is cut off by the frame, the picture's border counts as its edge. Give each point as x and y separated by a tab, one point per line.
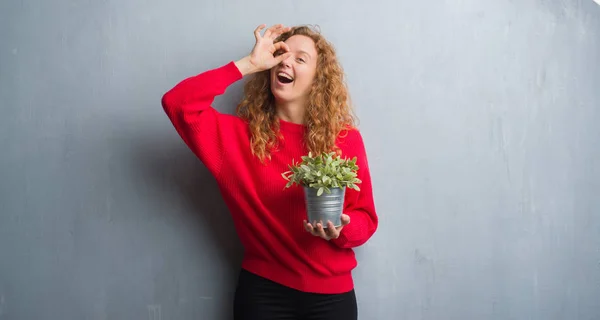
326	207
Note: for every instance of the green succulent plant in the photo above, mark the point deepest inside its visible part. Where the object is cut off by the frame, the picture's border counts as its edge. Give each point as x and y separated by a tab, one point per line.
323	172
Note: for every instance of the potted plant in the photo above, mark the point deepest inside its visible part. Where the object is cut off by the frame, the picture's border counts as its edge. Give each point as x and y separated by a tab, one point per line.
325	178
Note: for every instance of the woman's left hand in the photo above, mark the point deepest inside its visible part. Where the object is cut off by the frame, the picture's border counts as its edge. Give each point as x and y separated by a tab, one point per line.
331	232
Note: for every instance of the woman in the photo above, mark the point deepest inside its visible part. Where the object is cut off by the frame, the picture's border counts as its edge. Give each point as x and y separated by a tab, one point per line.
296	102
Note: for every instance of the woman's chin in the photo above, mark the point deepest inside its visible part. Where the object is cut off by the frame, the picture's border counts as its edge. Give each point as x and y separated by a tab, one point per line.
280	97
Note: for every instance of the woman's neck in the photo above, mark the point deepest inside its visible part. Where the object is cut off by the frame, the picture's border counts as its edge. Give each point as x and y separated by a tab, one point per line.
291	112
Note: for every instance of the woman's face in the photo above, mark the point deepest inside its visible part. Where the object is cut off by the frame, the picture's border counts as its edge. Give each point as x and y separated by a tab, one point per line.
292	79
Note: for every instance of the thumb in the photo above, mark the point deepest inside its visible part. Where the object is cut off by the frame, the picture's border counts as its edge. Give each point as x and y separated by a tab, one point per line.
282	57
345	219
282	46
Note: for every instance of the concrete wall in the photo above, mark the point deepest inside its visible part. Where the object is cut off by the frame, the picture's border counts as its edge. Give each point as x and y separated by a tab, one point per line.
480	119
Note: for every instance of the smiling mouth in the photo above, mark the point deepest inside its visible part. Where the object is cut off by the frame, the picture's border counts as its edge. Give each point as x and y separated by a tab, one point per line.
284	78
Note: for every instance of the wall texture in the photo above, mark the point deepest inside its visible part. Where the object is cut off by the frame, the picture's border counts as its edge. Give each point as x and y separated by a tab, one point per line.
480	119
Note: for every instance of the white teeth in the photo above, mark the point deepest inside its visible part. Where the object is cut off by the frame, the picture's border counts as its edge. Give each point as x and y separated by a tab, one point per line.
285	75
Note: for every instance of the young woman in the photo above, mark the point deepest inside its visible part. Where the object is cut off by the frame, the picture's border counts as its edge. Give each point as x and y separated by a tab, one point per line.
296	102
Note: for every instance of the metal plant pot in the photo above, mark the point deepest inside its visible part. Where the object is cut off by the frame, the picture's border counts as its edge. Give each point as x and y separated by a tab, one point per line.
326	207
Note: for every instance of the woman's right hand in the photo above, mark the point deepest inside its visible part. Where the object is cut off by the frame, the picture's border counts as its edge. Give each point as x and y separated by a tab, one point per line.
263	56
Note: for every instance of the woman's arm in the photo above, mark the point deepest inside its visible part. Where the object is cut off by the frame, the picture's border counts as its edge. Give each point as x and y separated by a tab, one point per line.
360	206
188	106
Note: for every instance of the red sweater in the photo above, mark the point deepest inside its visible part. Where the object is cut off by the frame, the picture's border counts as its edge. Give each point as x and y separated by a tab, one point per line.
269	219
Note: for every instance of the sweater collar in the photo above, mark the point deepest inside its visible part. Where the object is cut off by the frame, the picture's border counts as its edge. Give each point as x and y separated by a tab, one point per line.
290	127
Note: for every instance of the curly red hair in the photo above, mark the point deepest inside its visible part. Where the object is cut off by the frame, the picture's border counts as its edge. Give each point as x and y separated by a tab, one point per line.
328	112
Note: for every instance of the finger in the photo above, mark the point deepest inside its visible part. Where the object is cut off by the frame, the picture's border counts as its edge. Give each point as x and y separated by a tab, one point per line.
269	31
279	49
320	232
257	31
330	225
315	228
332	231
308	227
277	33
312	228
282	57
345	219
281	46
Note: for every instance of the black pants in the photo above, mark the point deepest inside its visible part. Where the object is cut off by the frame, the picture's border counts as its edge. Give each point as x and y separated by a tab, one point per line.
257	298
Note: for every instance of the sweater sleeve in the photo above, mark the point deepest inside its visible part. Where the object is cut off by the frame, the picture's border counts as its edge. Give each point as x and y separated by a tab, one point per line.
188	106
359	205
